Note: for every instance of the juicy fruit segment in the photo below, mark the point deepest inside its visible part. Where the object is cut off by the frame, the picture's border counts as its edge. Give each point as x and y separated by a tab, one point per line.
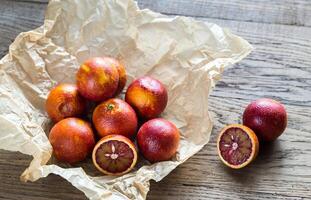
237	146
113	150
72	140
114	155
97	79
266	117
148	97
158	140
64	101
115	116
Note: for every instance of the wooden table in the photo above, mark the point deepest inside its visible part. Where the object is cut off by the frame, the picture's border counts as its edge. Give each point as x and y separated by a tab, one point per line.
279	67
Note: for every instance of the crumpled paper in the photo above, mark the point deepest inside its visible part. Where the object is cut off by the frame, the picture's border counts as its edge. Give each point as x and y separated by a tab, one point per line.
186	55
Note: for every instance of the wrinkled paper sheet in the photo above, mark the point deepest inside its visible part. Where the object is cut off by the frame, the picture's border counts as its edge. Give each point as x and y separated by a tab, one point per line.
186	55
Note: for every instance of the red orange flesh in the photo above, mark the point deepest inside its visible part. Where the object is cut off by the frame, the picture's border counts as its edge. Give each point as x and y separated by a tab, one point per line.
64	101
237	146
98	79
115	116
72	140
148	97
114	155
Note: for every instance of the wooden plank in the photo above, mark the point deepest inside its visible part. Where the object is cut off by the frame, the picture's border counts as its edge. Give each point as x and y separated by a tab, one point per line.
279	67
289	12
16	17
12	164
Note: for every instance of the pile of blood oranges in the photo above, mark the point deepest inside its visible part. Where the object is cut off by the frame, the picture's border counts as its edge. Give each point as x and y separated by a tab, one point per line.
115	122
263	121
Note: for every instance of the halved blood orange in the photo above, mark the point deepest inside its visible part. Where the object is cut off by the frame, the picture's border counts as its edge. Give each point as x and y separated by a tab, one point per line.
114	155
237	146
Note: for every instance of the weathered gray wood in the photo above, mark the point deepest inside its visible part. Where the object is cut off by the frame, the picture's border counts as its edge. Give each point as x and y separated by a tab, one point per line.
16	17
279	67
293	12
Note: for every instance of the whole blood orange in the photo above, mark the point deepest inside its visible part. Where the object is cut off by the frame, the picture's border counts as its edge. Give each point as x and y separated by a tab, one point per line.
72	140
158	140
114	155
266	117
97	79
64	101
148	97
115	116
237	146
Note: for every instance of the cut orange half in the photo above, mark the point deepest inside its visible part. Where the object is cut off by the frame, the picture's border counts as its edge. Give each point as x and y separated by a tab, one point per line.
237	146
114	155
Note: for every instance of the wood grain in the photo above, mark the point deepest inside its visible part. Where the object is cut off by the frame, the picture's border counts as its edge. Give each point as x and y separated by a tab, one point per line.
279	67
297	12
16	17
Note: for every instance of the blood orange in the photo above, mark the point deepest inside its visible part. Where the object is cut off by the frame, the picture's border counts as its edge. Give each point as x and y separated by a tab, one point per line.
148	97
64	101
72	140
122	75
97	79
237	146
114	155
158	140
115	116
266	117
